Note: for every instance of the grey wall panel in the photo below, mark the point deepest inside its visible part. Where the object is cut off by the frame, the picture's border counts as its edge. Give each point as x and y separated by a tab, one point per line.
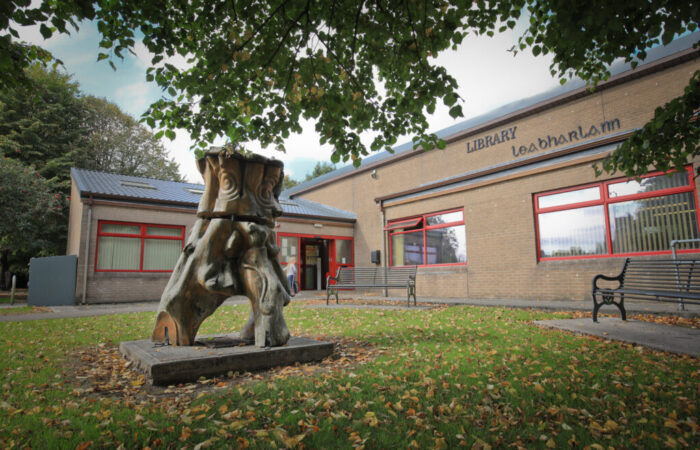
52	280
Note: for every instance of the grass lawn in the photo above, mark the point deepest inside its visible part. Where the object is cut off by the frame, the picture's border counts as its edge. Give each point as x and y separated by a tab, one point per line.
17	300
441	378
20	310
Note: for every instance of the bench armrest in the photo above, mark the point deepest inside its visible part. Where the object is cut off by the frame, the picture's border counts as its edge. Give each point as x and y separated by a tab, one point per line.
606	278
329	278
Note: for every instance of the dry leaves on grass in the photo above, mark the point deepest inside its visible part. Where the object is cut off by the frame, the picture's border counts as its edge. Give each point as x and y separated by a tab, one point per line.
103	371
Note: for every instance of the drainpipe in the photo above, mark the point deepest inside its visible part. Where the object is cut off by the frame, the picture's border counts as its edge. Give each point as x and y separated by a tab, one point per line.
386	263
87	250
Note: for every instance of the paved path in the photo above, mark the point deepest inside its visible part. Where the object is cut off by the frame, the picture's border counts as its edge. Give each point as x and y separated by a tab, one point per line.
653	335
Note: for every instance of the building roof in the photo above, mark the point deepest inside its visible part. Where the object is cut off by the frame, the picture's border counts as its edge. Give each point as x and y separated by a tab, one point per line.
474	124
151	191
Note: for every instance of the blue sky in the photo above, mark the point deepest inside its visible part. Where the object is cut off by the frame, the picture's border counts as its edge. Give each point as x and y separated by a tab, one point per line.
488	75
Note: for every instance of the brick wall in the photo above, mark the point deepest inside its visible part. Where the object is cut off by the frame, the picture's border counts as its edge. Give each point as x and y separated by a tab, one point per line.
499	215
109	287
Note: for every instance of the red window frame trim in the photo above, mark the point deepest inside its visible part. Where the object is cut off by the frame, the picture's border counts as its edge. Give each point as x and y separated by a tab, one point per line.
425	228
605	200
407	223
142	236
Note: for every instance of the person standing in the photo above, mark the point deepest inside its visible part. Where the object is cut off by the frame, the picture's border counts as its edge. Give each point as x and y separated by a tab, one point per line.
292	275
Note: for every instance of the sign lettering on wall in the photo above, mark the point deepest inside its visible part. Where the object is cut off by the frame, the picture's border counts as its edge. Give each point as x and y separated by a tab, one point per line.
577	134
496	138
542	143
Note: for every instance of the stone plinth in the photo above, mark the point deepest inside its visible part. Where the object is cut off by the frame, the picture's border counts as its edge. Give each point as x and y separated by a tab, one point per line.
217	355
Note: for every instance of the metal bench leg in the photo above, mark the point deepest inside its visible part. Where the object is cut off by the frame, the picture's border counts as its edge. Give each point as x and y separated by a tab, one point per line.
621	307
334	292
609	300
596	307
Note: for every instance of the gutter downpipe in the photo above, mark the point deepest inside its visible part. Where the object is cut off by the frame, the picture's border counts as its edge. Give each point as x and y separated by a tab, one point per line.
381	208
87	250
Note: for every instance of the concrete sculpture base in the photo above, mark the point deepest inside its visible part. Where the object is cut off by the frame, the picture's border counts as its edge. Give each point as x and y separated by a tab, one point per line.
217	355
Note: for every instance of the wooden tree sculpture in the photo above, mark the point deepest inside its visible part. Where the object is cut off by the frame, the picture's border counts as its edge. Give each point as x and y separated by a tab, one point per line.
231	250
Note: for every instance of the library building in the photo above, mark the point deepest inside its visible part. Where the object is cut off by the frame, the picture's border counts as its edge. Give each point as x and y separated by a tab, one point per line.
511	208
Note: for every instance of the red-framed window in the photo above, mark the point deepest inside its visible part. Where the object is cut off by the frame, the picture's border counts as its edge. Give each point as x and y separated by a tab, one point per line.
137	247
428	240
619	217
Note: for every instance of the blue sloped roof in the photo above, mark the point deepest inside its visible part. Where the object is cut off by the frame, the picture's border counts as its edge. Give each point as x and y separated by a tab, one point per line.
149	190
683	43
91	182
302	207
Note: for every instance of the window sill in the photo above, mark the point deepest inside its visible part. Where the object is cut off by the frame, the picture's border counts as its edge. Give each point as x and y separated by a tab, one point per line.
131	274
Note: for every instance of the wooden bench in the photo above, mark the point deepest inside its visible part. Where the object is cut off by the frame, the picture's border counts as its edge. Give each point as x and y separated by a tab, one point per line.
664	280
373	277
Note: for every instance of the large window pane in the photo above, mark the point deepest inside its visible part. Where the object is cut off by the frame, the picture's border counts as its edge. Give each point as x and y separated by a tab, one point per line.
651	184
573	232
118	253
288	248
161	254
455	216
651	224
120	229
407	249
569	198
343	252
446	245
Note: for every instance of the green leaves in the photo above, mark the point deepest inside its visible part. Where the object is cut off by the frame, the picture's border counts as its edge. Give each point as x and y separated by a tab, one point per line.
45	31
668	141
274	63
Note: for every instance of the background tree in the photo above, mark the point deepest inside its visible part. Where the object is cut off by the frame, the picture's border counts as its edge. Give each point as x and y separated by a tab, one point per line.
257	67
289	182
30	216
40	124
47	127
115	142
321	167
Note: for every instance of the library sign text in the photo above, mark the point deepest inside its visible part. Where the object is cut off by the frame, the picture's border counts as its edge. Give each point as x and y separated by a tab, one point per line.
543	143
578	134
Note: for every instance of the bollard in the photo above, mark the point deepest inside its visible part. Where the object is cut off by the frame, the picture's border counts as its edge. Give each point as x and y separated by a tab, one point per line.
12	291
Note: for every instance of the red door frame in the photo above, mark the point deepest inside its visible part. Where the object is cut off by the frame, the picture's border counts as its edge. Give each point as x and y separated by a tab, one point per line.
332	264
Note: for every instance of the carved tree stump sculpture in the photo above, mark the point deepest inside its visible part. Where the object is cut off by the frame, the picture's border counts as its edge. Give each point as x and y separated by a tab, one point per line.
231	250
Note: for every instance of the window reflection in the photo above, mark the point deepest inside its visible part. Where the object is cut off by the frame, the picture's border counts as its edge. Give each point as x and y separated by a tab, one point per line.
565	198
446	245
651	224
407	249
573	232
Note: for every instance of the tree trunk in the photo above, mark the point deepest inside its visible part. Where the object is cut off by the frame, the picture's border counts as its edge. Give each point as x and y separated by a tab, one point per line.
4	266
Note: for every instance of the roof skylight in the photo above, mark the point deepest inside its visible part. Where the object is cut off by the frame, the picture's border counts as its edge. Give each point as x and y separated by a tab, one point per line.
137	184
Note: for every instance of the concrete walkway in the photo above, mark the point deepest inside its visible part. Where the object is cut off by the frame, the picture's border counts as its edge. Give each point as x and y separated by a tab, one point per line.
657	336
653	335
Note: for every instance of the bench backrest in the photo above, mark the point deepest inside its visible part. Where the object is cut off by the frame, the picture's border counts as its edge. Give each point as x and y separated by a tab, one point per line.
395	276
663	275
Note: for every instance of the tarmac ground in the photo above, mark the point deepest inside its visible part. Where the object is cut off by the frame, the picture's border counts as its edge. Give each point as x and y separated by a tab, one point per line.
675	339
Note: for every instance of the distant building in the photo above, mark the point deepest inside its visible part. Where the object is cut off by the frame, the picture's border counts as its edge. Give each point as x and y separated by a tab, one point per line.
511	208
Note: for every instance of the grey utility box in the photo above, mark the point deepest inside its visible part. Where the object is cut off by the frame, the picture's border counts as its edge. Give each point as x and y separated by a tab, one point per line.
52	280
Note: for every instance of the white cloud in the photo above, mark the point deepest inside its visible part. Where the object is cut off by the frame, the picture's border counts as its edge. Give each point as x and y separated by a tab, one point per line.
133	98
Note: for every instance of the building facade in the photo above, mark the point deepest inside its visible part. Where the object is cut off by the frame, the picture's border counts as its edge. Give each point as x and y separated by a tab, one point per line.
511	208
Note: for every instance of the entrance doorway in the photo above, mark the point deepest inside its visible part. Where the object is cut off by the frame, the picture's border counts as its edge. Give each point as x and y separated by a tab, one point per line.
314	263
316	257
